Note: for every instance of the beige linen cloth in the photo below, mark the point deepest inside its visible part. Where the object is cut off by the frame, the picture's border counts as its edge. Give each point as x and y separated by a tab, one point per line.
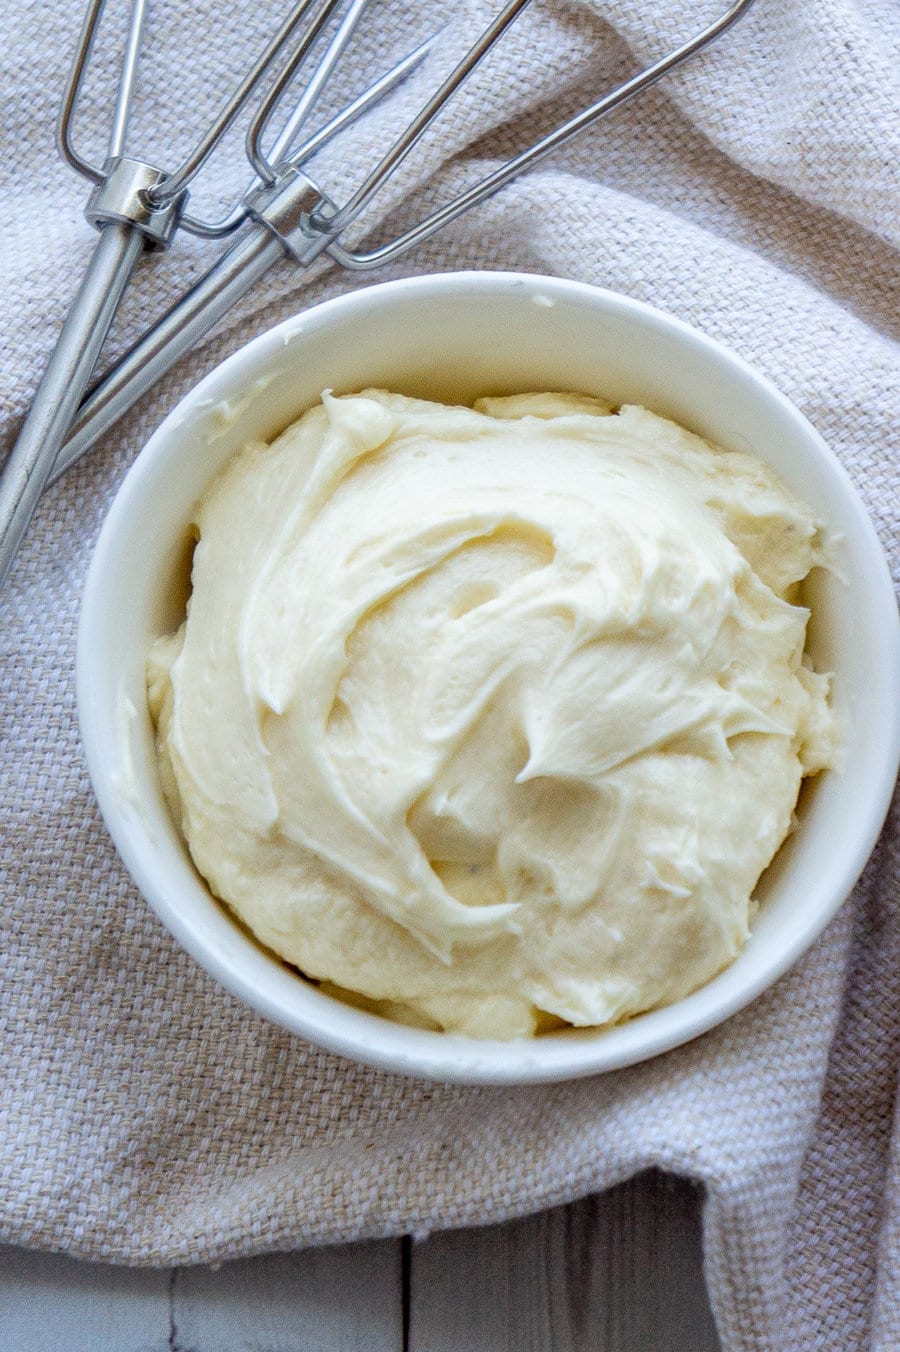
146	1116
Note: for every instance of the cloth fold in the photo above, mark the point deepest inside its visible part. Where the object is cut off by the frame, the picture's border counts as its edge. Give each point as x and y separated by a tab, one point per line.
146	1116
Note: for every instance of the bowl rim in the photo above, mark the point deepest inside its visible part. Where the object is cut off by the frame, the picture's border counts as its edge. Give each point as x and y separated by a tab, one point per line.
369	1038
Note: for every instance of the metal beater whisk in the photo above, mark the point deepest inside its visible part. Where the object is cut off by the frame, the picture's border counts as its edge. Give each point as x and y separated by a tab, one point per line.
137	206
283	214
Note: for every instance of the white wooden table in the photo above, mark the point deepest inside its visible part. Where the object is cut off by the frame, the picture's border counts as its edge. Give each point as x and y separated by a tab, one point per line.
615	1273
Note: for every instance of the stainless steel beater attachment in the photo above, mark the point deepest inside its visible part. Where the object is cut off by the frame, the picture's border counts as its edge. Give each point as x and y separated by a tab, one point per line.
289	215
285	213
137	206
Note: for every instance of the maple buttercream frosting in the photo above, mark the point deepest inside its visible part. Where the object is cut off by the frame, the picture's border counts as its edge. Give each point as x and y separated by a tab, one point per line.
491	718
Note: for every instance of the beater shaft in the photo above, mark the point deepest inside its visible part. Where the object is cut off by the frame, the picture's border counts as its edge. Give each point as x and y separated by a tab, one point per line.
239	269
68	371
27	470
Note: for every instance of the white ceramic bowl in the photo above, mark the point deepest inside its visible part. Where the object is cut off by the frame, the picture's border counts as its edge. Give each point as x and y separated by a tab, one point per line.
453	337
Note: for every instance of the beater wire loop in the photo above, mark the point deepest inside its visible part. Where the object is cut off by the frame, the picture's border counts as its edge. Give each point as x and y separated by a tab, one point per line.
72	93
513	168
127	79
263	164
181	177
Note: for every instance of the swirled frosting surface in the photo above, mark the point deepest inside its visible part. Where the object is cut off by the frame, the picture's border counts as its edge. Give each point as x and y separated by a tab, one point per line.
493	717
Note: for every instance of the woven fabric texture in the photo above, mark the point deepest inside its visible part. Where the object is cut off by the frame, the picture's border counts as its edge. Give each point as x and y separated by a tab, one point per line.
146	1116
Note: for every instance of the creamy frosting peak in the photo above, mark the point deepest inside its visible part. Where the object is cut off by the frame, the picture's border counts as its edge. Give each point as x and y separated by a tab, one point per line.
493	714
